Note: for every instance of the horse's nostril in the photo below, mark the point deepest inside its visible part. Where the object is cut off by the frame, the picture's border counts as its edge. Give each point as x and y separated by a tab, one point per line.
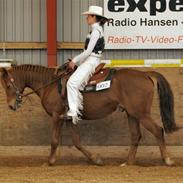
11	107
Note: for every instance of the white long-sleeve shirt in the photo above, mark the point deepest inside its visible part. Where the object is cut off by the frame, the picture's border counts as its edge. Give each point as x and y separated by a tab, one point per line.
97	32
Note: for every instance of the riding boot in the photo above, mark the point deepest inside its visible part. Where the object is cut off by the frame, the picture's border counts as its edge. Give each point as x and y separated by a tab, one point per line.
69	115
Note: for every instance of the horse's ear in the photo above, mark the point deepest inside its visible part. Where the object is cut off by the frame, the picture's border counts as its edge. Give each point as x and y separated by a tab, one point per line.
4	72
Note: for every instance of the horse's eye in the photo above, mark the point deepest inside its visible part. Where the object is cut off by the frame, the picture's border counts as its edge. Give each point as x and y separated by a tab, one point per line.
8	86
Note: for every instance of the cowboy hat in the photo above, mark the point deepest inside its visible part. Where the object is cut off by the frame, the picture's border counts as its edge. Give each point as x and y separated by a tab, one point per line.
95	10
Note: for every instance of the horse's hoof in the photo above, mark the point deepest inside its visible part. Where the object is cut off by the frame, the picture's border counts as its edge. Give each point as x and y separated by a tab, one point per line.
51	162
44	165
128	163
96	159
99	162
169	162
123	164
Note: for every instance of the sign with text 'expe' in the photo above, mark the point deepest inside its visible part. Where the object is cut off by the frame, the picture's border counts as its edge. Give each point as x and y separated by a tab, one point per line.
144	24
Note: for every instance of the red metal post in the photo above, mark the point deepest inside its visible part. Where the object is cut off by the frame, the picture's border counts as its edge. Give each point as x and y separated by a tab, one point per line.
52	32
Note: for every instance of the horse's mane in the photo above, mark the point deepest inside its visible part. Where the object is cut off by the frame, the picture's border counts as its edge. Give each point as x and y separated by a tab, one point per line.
33	68
38	71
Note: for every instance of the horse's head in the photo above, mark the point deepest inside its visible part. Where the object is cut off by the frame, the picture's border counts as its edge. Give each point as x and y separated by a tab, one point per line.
12	88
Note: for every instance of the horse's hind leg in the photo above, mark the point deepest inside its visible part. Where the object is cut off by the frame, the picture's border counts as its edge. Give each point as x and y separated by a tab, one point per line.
56	135
76	141
158	132
135	136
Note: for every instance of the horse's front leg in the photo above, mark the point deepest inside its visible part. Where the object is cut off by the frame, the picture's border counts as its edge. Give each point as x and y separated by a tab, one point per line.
55	137
95	158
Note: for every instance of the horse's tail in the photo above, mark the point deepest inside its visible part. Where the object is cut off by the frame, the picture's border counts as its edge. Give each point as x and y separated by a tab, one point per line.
166	102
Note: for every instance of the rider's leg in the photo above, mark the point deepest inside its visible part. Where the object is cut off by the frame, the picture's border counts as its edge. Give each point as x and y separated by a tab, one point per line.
78	80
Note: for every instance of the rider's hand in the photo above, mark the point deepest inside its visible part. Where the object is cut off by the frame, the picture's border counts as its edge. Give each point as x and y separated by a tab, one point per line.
72	65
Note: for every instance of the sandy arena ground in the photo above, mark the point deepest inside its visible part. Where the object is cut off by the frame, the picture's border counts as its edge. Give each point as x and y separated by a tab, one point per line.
27	165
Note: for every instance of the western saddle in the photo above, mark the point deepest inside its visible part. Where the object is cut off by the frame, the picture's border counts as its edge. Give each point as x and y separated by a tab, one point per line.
100	75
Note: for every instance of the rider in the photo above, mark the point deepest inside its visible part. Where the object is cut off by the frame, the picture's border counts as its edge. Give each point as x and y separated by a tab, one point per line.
87	61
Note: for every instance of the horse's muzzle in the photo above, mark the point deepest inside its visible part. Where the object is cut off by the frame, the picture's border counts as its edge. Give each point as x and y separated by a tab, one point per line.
14	104
13	108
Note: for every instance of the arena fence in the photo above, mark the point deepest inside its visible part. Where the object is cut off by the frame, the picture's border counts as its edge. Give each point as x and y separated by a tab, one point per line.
7	62
122	63
144	63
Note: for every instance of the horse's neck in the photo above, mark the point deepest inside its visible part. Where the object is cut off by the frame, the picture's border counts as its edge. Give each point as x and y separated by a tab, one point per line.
35	80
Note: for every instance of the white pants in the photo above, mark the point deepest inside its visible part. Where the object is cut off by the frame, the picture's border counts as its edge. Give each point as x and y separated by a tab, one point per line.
77	81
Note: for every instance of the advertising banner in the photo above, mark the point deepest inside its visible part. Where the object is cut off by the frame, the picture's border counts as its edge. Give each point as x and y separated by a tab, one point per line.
144	24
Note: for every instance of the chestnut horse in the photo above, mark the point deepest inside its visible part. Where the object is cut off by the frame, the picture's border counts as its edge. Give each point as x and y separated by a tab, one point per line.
131	90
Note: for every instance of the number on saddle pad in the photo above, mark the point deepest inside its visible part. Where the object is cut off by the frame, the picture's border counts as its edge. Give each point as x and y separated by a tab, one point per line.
103	85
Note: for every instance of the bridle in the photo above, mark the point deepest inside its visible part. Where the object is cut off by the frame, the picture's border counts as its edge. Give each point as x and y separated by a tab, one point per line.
20	96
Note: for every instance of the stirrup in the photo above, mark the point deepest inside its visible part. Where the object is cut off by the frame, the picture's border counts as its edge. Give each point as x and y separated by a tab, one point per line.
65	117
73	119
